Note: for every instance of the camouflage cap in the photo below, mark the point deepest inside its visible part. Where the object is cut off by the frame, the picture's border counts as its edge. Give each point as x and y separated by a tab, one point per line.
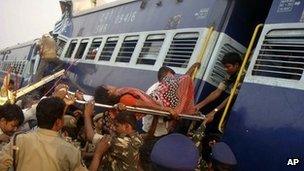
98	116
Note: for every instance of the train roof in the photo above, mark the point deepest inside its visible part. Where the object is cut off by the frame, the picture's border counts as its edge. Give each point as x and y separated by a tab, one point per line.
103	7
127	16
19	45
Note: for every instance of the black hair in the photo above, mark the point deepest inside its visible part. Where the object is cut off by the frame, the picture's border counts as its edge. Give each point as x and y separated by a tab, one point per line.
48	111
72	132
126	117
11	82
11	112
102	96
232	58
163	71
47	89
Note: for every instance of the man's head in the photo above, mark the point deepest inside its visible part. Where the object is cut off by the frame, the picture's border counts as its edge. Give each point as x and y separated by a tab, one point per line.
61	90
232	62
164	71
11	85
125	122
49	113
11	117
104	94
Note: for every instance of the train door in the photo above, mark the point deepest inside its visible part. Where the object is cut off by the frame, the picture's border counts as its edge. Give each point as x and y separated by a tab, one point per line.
234	37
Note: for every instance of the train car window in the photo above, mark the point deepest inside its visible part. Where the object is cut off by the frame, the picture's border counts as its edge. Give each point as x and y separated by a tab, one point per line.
7	66
4	66
32	64
22	67
71	49
150	50
82	47
60	46
108	49
94	48
281	55
19	67
218	73
127	49
15	68
181	49
11	65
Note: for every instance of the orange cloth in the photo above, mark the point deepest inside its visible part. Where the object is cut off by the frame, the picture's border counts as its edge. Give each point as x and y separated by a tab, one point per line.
128	100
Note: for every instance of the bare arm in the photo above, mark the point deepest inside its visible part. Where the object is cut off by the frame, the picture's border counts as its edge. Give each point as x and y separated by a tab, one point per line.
210	115
223	104
95	162
101	148
88	125
214	95
5	83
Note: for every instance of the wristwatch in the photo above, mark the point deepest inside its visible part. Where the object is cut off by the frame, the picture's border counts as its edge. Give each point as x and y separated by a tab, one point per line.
216	110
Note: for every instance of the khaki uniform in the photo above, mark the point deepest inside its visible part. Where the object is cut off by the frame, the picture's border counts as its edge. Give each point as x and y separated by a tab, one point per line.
123	153
2	143
41	150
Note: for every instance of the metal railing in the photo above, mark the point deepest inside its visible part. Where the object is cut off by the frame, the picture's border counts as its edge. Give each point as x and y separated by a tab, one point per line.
238	79
146	111
203	49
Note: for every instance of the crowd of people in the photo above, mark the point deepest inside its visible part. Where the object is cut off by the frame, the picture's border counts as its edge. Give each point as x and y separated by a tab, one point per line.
55	133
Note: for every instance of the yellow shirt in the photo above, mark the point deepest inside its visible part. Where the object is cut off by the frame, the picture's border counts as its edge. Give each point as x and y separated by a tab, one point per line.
5	96
2	143
41	150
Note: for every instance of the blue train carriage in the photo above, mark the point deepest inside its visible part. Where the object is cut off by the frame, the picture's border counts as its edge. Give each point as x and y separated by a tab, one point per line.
21	59
24	59
126	42
265	129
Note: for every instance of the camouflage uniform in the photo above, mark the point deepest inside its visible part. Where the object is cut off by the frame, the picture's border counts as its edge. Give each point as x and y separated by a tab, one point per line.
197	137
123	153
